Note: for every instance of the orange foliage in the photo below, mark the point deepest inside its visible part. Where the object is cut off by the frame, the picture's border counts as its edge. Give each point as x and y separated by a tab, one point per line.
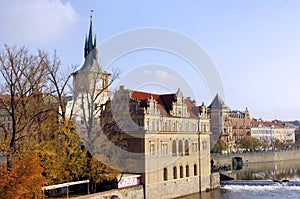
24	180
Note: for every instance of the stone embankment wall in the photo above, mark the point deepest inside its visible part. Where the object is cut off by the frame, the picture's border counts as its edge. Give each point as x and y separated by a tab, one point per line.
135	192
271	156
214	180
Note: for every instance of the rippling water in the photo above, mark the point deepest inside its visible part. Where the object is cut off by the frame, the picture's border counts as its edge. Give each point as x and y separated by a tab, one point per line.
283	170
261	192
250	192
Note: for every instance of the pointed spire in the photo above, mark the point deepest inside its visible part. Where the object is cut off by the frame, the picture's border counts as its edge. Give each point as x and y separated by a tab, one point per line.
85	46
90	40
91	63
218	103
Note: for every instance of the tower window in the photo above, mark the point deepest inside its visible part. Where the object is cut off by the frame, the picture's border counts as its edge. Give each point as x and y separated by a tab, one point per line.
195	169
174	148
165	174
174	173
186	147
181	171
152	149
180	148
187	171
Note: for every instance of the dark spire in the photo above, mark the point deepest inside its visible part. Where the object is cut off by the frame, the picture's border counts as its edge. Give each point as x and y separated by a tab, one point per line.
218	103
85	47
90	42
91	63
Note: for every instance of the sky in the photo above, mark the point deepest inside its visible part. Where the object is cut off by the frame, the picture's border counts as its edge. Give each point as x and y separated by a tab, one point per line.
254	45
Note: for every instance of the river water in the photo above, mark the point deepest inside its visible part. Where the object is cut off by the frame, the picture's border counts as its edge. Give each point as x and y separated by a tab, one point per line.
250	192
284	170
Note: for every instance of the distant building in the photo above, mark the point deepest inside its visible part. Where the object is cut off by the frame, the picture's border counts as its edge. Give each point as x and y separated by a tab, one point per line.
228	125
268	132
167	139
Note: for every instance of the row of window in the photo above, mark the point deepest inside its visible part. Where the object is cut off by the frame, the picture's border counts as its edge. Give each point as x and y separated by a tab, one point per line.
181	172
181	149
169	125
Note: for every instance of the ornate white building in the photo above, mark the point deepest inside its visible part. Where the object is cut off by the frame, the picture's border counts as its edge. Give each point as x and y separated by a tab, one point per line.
166	140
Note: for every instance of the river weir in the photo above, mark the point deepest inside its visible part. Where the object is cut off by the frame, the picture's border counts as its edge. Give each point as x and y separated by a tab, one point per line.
261	189
261	183
264	180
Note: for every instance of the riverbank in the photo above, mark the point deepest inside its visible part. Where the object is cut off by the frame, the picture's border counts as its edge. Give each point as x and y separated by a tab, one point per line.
256	157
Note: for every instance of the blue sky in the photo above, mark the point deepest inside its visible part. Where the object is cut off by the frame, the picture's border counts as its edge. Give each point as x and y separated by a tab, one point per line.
255	45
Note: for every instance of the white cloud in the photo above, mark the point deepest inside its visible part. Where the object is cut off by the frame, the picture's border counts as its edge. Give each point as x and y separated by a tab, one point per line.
36	20
159	75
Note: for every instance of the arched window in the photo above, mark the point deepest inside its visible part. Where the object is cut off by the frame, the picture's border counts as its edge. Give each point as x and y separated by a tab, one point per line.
195	169
174	172
187	171
165	174
181	171
180	148
174	148
186	147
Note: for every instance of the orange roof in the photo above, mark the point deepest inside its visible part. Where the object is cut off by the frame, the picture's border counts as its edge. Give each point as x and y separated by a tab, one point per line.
138	95
255	123
164	102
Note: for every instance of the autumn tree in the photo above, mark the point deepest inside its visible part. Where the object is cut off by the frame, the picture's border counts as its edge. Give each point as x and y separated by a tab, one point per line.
35	97
23	77
248	142
23	180
34	100
87	100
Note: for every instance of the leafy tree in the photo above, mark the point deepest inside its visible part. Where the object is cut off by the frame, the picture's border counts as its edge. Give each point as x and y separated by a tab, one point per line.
216	148
278	144
219	146
256	143
223	145
248	142
23	180
36	102
61	157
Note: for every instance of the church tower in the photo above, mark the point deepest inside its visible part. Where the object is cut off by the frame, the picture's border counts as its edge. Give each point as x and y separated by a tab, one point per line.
91	78
218	112
90	84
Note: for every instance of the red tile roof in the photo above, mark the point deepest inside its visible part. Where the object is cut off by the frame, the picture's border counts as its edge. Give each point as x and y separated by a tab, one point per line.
191	108
255	123
164	102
